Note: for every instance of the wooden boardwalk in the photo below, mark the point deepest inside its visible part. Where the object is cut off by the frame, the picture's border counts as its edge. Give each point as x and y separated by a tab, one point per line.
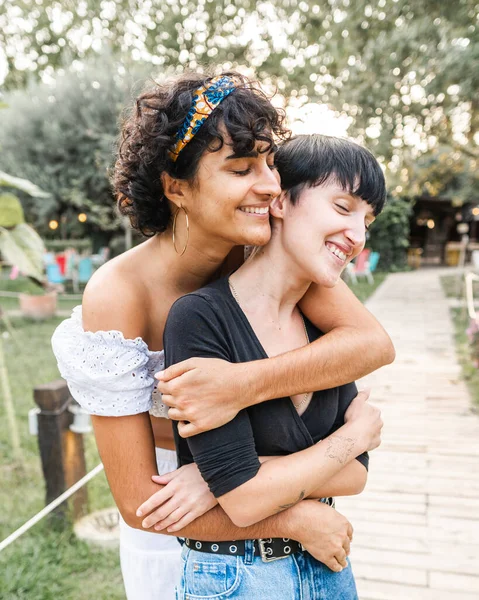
417	523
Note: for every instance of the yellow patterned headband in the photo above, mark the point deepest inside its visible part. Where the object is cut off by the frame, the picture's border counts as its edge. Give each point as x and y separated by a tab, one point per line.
205	100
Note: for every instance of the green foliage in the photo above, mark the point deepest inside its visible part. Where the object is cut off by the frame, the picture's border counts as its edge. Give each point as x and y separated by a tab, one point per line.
392	65
11	211
63	139
406	73
389	235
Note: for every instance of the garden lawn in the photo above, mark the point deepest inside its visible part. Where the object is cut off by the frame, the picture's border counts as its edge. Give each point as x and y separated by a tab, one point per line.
363	289
44	563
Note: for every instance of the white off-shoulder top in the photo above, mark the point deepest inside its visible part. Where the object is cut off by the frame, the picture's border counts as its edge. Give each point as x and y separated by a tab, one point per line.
107	374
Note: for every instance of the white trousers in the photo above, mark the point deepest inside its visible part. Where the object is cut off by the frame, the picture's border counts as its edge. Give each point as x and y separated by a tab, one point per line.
150	562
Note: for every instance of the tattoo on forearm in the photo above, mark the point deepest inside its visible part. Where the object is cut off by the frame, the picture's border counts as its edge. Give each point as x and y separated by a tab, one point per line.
285	506
340	448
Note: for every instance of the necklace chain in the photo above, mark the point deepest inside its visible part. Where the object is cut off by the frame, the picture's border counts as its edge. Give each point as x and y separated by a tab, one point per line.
306	396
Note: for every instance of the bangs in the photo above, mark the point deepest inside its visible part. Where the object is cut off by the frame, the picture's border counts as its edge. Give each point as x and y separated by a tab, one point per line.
315	160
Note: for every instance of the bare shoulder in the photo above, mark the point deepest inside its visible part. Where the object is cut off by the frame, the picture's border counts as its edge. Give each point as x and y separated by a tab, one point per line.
115	298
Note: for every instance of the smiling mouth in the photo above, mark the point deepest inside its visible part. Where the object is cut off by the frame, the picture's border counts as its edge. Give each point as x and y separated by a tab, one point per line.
255	210
337	252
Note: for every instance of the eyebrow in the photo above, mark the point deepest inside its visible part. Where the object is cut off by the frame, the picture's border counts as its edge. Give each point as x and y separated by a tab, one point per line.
252	153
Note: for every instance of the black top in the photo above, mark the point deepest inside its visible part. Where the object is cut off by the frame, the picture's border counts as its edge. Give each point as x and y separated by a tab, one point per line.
210	323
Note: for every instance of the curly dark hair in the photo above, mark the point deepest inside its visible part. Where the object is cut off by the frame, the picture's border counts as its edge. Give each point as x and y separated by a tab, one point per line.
148	135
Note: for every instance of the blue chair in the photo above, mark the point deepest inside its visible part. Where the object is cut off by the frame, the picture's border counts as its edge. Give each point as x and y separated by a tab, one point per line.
82	273
85	270
53	274
373	261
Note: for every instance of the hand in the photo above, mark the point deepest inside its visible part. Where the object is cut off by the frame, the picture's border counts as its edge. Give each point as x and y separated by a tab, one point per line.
202	393
366	418
184	498
324	533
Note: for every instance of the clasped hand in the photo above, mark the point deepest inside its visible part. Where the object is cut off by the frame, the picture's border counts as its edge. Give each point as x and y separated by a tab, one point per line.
184	497
202	393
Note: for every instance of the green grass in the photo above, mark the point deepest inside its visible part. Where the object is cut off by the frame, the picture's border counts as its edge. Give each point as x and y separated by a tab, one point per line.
44	563
363	289
454	288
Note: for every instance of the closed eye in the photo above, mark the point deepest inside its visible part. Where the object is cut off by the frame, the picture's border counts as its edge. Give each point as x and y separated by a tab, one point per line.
345	208
242	173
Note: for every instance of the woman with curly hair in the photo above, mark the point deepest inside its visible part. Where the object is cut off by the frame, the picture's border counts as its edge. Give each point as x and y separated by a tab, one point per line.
184	145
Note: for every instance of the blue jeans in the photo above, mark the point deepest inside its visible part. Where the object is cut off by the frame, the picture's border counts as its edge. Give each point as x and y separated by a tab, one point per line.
208	576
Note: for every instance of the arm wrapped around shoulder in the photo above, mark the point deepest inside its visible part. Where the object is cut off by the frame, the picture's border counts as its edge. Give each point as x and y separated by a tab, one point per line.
107	374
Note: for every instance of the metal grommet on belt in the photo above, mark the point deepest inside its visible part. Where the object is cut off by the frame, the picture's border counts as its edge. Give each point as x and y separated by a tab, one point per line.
268	549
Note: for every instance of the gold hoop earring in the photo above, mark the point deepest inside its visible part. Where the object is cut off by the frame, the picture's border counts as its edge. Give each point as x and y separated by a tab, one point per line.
187	230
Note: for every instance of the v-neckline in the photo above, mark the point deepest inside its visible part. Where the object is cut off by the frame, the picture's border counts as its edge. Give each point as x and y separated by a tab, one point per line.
298	418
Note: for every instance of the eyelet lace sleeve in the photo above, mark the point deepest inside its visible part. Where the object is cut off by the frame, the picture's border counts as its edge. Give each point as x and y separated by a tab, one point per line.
107	374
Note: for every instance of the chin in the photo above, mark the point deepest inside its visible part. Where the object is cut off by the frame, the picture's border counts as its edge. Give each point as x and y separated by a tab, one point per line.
257	238
327	280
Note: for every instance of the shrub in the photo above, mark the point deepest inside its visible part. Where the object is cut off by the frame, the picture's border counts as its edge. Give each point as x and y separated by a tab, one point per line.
389	235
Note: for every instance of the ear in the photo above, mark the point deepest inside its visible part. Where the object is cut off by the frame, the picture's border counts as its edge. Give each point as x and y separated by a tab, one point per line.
277	206
174	189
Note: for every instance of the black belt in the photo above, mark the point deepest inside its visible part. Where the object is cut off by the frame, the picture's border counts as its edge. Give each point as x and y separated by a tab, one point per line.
269	548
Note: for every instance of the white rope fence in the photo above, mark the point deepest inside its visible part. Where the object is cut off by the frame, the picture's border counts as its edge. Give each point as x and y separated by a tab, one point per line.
470	278
50	507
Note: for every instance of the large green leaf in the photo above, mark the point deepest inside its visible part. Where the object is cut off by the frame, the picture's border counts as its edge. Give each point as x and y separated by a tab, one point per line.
24	185
24	248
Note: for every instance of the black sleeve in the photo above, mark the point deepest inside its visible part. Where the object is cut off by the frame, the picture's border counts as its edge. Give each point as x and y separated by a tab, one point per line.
347	393
226	457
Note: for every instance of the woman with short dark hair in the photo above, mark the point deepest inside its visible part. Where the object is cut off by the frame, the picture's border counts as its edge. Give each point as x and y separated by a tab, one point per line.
333	190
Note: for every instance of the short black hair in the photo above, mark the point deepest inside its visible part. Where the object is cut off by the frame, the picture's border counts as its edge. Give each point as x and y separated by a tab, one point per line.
148	135
313	160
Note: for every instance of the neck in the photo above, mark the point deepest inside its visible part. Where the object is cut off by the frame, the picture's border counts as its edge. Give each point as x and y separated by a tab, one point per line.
193	269
270	282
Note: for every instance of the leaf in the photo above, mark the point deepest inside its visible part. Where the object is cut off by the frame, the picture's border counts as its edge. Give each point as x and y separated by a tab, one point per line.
24	185
24	248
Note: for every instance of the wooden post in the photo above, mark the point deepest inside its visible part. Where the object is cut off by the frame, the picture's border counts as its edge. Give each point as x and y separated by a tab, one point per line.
61	450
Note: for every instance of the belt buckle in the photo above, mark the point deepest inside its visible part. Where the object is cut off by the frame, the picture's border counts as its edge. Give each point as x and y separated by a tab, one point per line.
266	552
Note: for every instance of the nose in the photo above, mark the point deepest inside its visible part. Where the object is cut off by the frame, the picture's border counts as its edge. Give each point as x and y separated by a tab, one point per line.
268	182
356	234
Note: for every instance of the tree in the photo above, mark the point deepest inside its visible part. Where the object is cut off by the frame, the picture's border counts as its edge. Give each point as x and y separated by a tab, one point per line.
63	137
403	69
